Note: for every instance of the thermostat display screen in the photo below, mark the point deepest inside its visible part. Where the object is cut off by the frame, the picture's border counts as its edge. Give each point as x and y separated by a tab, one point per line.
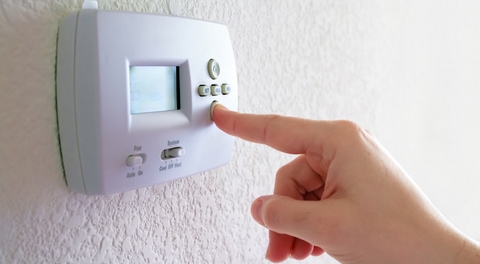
153	89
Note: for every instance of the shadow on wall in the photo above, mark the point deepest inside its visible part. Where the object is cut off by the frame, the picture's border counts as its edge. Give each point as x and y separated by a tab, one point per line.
31	174
29	144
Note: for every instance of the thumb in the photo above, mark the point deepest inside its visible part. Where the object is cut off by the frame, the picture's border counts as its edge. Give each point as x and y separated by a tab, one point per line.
297	218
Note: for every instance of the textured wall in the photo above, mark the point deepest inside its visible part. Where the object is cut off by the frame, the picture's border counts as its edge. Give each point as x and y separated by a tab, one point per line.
314	59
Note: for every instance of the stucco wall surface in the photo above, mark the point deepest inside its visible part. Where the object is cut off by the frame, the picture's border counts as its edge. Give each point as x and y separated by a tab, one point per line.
373	62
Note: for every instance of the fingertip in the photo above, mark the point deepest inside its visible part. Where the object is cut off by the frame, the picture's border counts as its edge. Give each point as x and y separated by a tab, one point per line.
216	111
212	109
301	249
221	106
317	251
256	211
279	247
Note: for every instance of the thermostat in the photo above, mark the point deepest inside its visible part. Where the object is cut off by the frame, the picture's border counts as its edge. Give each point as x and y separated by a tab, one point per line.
134	92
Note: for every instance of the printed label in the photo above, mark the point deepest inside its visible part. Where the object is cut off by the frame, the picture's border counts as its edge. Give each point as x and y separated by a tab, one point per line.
170	166
173	142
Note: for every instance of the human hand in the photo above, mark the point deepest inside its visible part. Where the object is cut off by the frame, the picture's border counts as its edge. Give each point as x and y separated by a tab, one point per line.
345	195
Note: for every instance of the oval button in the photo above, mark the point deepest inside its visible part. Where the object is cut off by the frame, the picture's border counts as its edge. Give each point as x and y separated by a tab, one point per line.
213	69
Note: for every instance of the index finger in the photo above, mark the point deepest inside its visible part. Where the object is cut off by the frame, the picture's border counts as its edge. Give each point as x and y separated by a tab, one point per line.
287	134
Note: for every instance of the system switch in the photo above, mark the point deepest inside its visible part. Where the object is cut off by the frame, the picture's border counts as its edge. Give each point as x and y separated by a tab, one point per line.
173	153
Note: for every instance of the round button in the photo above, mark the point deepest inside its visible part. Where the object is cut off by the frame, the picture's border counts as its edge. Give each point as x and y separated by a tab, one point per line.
226	89
213	69
203	90
212	106
134	161
215	89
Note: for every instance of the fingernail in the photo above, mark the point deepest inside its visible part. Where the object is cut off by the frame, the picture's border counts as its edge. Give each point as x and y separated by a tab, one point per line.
218	105
266	254
221	106
256	210
214	105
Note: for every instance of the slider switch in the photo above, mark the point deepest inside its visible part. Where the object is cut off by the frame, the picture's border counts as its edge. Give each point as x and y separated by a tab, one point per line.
173	153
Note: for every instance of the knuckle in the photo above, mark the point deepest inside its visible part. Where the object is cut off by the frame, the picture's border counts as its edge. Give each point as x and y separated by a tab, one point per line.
348	125
351	130
284	171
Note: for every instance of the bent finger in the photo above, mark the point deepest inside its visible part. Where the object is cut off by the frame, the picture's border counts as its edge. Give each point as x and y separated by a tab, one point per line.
317	251
301	249
287	216
297	178
279	246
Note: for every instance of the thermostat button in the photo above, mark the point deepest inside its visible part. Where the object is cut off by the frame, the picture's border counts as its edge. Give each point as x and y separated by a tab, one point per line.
134	160
203	90
226	89
216	89
213	69
212	106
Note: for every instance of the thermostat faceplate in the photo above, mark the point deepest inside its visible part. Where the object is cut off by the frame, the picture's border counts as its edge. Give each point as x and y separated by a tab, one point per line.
133	98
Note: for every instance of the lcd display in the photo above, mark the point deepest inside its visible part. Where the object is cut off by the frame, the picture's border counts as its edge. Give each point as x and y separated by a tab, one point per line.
153	89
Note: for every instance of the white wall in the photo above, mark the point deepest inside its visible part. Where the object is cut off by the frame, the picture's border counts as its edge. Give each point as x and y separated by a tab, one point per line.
429	110
407	71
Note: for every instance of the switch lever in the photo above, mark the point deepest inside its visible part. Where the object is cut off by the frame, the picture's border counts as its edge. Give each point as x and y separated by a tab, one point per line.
173	153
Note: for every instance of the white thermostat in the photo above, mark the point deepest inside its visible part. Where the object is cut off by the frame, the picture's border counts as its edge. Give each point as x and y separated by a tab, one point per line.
134	92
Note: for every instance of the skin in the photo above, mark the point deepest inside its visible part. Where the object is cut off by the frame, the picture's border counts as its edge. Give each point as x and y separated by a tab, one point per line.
345	195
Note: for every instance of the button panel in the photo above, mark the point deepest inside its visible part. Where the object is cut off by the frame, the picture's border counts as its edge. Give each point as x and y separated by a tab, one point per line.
214	89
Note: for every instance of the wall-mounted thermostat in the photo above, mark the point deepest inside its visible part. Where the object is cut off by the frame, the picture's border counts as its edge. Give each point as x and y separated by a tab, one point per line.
134	92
